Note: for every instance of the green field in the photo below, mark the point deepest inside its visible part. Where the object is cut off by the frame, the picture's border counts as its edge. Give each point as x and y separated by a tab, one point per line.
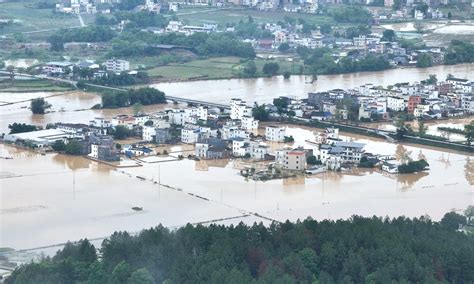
213	68
31	86
29	19
217	68
222	17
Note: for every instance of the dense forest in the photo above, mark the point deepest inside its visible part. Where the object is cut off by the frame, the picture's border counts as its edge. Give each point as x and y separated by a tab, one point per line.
358	250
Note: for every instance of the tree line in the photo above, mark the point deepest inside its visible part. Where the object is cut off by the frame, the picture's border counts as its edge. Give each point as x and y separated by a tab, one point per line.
86	34
144	96
357	250
219	44
320	61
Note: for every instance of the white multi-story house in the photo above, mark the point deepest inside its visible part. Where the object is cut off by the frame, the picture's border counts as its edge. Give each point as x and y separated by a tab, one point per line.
141	119
256	150
291	159
176	116
199	112
396	103
239	109
421	109
100	122
124	120
408	89
275	133
238	147
117	65
201	150
457	81
467	103
148	132
348	152
190	135
229	132
249	123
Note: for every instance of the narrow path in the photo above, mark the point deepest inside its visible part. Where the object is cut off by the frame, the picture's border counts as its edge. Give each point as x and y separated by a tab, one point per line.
81	20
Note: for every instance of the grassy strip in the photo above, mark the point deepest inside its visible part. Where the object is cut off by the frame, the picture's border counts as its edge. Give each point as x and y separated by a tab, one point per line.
33	86
441	144
452	130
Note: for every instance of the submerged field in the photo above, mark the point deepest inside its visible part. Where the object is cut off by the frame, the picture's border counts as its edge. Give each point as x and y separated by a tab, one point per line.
225	16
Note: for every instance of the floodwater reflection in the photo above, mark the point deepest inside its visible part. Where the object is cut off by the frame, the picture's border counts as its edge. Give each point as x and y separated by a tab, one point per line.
469	170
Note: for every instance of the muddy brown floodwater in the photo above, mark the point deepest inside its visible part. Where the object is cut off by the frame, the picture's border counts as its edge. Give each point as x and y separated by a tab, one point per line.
58	198
47	200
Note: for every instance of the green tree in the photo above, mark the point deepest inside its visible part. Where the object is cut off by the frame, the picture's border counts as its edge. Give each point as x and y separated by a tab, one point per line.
21	127
39	106
259	112
424	60
284	47
73	147
453	220
469	213
137	108
121	132
270	69
325	29
289	139
56	41
469	132
58	146
250	69
397	4
312	160
121	272
389	35
432	80
421	127
141	276
11	73
286	75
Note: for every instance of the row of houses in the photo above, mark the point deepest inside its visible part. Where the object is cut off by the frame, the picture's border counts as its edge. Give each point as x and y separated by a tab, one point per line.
58	68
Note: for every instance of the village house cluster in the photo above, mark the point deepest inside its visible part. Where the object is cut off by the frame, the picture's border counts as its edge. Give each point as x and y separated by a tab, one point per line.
218	133
451	98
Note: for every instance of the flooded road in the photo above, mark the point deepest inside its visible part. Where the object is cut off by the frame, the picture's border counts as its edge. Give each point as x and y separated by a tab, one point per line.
60	198
431	127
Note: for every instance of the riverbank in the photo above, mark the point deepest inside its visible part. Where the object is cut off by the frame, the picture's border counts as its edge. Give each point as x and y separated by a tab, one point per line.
30	86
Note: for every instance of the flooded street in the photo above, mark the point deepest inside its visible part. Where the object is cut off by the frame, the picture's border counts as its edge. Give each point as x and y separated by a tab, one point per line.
62	198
